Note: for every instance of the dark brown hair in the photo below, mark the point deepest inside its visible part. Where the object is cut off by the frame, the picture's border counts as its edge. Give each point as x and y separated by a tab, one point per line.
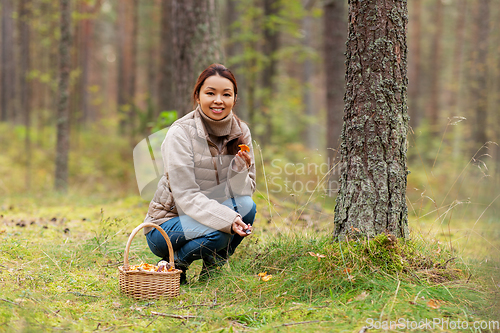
222	71
214	69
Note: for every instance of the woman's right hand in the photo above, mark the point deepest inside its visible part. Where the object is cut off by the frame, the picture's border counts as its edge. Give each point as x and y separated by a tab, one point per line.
239	227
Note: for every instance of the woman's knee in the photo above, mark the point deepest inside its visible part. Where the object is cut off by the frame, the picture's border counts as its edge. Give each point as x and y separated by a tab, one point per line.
217	240
245	205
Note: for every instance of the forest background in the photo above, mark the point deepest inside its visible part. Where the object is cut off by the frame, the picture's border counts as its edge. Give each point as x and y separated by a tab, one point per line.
133	63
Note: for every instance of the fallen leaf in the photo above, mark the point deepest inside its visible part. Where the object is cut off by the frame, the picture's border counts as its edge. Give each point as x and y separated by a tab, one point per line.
361	296
317	255
434	304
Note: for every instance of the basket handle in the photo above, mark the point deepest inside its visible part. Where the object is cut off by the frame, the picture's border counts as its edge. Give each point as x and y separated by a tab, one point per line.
136	230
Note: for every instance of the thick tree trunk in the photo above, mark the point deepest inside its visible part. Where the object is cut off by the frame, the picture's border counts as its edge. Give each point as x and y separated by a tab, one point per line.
196	45
61	174
271	45
335	33
480	87
414	64
7	64
166	100
435	69
371	198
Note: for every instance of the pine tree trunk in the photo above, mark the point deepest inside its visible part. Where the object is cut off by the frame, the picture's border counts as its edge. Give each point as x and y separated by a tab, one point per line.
166	100
271	45
414	64
435	69
372	195
61	174
457	58
124	64
132	117
335	34
7	62
309	135
196	45
480	87
25	85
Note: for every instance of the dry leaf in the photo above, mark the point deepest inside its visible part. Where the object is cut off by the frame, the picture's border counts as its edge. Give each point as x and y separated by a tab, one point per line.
361	296
317	255
434	304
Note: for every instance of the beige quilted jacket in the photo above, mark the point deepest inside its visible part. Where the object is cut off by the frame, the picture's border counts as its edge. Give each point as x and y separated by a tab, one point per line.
198	176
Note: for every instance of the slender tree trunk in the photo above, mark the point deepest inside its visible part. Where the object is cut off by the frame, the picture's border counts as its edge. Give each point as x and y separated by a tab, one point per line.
414	64
7	63
86	26
193	48
271	45
235	48
63	130
480	87
124	65
25	86
309	134
457	57
166	100
335	33
435	69
133	66
372	195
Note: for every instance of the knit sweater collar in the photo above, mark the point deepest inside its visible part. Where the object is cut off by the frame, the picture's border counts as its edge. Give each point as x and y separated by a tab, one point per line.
216	127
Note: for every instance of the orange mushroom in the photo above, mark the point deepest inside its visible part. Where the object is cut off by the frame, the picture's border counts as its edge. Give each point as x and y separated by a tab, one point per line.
244	148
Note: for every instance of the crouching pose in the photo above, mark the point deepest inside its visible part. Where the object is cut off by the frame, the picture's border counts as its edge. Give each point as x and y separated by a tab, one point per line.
203	201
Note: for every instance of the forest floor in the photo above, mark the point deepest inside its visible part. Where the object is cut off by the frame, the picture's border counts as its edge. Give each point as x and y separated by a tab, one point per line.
59	259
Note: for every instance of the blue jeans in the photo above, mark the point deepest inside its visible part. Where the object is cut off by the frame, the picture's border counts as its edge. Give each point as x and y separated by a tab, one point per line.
192	240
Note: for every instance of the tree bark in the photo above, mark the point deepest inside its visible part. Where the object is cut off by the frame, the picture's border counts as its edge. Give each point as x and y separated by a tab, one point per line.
435	69
414	64
196	45
166	100
371	198
7	62
63	130
335	33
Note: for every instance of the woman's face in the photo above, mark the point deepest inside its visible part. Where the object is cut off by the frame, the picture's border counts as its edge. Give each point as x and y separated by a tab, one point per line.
216	97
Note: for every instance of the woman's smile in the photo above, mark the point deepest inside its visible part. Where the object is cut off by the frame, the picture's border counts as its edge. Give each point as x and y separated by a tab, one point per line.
216	97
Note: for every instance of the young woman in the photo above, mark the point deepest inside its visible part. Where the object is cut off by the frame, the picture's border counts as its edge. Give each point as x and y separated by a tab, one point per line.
203	201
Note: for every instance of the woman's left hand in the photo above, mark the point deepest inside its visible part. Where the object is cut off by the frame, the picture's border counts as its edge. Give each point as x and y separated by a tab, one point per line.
242	161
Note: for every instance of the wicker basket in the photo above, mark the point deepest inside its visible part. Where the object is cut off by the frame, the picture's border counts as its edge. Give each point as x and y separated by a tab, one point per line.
145	285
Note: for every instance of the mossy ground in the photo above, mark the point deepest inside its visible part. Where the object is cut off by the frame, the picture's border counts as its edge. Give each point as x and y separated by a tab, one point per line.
59	258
